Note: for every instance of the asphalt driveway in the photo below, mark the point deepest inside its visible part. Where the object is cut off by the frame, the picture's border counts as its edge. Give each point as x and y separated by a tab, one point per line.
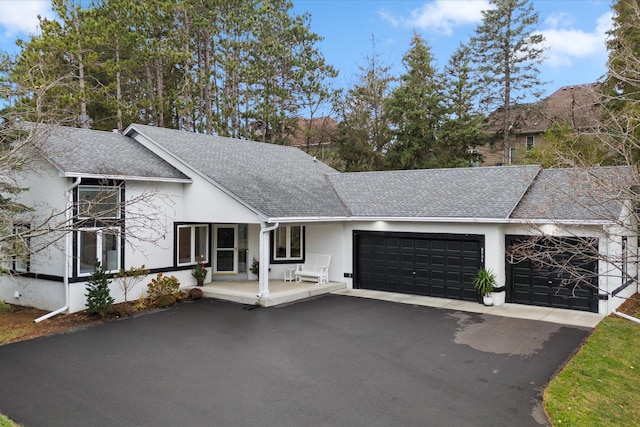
331	361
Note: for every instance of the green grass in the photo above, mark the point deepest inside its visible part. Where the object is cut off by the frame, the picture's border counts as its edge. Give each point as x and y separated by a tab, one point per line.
6	422
600	386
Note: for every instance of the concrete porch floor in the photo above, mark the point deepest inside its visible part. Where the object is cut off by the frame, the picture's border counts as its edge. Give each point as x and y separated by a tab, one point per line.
246	292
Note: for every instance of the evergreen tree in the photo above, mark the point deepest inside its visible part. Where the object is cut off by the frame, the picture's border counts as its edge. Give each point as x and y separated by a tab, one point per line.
416	111
99	299
621	89
463	128
507	52
364	127
242	69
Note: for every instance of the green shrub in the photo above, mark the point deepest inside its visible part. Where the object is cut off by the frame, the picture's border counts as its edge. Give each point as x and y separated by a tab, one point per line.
4	306
99	299
140	304
165	301
162	285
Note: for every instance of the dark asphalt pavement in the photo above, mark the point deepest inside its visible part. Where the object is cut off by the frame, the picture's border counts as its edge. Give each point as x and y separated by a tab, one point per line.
330	361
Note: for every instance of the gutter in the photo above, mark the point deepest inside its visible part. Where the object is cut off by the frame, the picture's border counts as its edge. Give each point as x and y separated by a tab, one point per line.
67	244
460	220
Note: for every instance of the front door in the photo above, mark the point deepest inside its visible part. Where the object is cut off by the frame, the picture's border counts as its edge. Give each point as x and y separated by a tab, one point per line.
225	259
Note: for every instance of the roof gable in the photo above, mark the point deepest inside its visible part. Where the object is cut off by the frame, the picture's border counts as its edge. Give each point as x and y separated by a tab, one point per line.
575	194
276	180
91	153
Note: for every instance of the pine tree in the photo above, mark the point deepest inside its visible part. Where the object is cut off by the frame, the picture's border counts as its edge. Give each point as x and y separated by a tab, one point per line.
621	89
364	128
416	111
463	128
507	52
99	299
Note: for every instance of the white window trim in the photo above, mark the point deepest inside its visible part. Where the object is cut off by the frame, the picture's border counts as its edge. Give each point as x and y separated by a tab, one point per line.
193	227
526	142
288	256
99	231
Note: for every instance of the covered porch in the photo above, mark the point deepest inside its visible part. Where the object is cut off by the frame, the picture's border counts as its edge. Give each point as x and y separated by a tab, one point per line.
280	292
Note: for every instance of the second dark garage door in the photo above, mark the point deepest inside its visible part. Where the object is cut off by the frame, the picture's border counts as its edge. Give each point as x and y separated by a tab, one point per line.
532	284
440	265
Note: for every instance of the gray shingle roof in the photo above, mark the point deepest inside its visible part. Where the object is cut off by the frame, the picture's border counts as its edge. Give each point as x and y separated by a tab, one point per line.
490	192
593	194
85	152
277	181
284	182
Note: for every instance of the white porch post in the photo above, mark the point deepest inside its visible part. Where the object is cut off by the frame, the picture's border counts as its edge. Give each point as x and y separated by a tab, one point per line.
263	283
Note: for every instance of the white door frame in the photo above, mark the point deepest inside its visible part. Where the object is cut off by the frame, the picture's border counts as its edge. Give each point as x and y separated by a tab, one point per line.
217	250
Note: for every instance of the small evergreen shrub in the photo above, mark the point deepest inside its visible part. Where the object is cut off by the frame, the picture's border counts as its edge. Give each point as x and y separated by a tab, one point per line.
99	299
195	293
165	301
162	285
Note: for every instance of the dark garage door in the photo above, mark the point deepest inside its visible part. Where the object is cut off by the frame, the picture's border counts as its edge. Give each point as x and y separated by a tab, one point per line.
532	284
439	265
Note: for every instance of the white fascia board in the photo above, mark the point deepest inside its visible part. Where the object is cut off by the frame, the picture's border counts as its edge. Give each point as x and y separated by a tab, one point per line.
180	164
387	219
127	178
286	220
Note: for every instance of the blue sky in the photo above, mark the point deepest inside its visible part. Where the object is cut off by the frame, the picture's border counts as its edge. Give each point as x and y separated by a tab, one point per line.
574	30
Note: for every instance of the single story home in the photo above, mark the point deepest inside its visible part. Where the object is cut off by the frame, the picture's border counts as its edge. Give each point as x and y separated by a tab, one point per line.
169	199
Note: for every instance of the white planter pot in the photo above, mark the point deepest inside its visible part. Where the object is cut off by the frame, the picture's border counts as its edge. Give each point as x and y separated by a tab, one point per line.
487	300
499	297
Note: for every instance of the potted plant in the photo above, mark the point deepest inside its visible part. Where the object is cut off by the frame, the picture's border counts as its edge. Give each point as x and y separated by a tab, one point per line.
484	282
255	267
199	272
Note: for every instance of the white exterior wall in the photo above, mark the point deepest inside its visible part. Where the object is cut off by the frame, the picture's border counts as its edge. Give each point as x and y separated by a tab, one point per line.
320	238
163	206
204	202
46	193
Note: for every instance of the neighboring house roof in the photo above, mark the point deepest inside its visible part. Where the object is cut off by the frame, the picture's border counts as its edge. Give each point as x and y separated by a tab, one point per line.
593	194
314	132
491	192
91	153
578	105
277	181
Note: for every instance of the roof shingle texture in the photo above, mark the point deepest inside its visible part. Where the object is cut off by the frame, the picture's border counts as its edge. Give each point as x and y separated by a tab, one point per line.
276	180
490	192
98	153
593	194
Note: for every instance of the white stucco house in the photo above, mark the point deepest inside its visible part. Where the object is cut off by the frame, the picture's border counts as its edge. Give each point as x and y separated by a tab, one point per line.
191	197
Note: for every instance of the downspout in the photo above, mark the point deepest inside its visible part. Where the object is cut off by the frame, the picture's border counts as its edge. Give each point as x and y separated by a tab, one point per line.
67	243
263	283
626	316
